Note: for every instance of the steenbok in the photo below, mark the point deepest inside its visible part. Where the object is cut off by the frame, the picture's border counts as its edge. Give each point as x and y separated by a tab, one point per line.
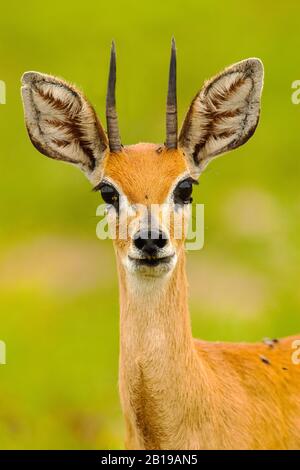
176	392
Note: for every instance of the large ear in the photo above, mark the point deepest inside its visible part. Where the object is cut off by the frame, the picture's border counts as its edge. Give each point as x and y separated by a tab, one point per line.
224	114
61	123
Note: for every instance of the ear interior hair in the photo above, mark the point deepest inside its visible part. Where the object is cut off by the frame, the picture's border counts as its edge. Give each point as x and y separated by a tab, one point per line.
61	123
224	114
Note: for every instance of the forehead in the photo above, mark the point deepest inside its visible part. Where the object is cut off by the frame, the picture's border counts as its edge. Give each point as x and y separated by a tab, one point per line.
145	171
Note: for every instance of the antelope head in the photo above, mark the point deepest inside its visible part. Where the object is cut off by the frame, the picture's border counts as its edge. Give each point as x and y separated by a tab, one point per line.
135	179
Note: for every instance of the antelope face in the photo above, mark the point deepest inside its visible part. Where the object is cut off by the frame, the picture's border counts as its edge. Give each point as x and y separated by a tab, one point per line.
148	191
147	187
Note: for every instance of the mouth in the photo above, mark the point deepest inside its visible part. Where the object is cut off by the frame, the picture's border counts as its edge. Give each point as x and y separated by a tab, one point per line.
151	261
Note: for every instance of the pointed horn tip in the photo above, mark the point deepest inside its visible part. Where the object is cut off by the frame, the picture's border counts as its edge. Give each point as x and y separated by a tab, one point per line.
113	46
173	43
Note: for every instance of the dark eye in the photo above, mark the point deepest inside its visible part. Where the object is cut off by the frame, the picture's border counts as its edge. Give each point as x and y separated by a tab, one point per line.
110	195
183	191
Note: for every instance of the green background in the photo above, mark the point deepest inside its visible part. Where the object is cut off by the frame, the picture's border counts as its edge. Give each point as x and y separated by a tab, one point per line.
58	286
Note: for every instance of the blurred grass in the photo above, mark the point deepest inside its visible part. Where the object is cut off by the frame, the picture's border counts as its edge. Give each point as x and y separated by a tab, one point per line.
60	322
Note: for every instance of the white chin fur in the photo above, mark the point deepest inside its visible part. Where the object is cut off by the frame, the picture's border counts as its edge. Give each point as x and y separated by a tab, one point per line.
150	271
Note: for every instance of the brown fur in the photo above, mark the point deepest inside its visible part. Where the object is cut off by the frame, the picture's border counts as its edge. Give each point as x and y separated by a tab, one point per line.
138	170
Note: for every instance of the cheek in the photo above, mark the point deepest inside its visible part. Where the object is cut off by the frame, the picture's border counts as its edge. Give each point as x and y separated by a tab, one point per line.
122	247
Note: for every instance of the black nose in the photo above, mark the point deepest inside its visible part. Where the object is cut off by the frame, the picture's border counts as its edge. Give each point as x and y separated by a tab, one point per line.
150	241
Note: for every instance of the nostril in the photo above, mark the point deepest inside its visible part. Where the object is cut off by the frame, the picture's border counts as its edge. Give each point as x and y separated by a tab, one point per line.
150	241
139	242
161	241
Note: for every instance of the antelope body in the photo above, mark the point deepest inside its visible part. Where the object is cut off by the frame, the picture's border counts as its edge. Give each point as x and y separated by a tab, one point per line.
176	392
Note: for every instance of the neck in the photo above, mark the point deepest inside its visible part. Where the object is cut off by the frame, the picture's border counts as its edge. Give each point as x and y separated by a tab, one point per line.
155	309
157	354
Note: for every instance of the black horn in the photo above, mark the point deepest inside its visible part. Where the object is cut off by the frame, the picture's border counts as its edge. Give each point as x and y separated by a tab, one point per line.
171	115
111	113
